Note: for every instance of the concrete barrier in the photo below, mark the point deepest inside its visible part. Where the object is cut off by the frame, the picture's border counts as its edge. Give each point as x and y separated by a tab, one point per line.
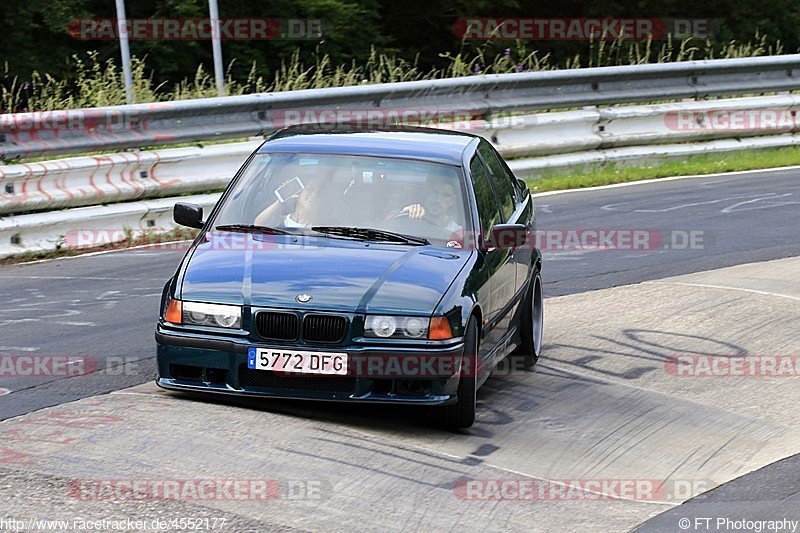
121	177
90	226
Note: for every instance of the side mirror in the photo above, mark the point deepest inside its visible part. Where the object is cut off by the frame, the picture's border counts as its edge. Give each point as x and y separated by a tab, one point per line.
523	184
507	236
189	215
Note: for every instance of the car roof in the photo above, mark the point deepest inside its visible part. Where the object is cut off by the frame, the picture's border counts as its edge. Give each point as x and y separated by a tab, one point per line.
425	144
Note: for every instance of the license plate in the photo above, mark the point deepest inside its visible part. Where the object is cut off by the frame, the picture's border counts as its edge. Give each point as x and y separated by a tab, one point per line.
293	361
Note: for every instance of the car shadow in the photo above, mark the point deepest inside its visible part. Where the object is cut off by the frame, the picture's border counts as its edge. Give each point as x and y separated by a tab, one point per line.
509	396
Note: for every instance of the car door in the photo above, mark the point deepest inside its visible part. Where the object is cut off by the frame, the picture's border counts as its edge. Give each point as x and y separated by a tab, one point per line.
515	209
498	267
508	280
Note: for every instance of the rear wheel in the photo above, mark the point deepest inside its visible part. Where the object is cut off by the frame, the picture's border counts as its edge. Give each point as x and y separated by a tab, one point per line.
531	327
462	413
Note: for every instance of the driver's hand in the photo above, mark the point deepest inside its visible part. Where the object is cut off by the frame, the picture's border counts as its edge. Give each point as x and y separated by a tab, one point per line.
415	211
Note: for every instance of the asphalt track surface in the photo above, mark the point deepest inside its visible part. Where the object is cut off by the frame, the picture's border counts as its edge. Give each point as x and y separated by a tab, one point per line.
600	405
737	219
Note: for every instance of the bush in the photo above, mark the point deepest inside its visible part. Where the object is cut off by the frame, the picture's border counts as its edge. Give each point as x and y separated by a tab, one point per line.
95	82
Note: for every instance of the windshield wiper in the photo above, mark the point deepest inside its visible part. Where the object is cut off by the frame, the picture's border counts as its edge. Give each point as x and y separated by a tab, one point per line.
371	234
252	228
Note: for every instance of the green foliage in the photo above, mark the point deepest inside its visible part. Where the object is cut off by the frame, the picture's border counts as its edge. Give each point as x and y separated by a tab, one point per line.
698	164
94	81
364	41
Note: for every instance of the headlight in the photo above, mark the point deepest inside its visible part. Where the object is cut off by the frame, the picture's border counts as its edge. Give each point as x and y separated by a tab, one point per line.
397	327
382	326
221	316
415	327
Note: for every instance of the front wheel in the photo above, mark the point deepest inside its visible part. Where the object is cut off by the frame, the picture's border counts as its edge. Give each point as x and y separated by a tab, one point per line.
462	413
531	326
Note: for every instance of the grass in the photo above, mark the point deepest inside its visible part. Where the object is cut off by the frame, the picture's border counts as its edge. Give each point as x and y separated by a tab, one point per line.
685	166
93	82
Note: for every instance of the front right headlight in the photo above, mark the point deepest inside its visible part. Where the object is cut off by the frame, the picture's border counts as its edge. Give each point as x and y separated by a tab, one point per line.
407	327
203	314
388	327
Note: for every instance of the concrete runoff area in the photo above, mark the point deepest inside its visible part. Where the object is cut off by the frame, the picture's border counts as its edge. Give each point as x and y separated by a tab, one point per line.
605	407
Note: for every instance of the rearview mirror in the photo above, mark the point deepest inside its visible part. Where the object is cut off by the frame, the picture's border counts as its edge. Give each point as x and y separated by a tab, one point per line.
507	236
189	215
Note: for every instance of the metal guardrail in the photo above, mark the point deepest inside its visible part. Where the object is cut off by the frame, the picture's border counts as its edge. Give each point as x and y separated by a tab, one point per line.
613	127
112	128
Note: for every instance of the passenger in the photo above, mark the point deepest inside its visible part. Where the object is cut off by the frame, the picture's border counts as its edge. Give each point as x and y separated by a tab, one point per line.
298	211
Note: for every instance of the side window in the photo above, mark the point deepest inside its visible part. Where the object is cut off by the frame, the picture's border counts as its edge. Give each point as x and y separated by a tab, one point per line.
502	180
484	195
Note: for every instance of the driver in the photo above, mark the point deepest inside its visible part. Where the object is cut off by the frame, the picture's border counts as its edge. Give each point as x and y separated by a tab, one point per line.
440	205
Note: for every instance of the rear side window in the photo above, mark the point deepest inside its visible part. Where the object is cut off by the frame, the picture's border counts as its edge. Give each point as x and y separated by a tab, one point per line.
484	195
501	179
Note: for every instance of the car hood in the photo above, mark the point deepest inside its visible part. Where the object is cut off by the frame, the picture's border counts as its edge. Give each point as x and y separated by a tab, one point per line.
339	275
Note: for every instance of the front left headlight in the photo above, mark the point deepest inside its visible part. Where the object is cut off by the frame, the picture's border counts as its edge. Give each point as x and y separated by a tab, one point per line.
216	315
396	327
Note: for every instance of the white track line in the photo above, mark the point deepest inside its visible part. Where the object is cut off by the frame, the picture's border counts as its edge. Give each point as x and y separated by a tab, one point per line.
163	393
101	252
709	286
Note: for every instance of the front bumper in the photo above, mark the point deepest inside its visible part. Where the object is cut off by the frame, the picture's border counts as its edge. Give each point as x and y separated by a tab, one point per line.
199	362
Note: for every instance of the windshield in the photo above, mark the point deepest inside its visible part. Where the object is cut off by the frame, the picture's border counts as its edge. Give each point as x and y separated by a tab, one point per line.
298	192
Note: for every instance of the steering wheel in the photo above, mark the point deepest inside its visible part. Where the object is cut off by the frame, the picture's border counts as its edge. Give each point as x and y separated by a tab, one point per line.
433	228
406	214
401	214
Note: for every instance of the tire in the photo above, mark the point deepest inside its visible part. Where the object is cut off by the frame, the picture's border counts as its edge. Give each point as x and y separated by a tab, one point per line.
462	413
531	327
